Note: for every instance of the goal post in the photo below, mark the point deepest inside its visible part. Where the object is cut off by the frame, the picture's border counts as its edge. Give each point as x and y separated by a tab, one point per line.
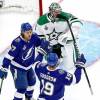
40	8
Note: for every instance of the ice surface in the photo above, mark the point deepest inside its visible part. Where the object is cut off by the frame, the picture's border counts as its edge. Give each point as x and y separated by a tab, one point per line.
89	38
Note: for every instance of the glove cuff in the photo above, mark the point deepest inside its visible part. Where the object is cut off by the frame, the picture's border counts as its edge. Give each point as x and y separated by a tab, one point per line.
41	51
3	69
79	64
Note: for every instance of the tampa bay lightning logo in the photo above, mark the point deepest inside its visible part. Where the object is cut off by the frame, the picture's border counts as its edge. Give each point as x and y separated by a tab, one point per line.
28	53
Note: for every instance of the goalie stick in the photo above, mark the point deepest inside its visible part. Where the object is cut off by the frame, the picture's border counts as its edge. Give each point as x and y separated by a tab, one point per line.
76	50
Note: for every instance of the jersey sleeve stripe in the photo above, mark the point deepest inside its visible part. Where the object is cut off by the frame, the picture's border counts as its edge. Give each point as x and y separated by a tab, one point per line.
30	88
9	56
19	95
74	80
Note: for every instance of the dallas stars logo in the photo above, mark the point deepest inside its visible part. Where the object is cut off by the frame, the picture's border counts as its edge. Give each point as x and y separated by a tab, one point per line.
54	35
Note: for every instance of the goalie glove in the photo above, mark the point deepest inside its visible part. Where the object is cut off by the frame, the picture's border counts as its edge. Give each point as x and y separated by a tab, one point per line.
3	72
80	62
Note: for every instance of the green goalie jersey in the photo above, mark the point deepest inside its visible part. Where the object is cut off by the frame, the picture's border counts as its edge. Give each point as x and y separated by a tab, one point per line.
55	30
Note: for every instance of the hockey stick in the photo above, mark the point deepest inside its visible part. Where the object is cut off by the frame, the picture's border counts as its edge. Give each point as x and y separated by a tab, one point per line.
1	84
77	51
77	55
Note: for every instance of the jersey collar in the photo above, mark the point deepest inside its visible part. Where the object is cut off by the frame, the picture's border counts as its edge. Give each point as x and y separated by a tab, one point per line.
50	70
24	39
50	18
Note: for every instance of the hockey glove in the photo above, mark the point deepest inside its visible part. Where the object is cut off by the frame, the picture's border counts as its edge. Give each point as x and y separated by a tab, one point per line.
44	47
80	61
3	72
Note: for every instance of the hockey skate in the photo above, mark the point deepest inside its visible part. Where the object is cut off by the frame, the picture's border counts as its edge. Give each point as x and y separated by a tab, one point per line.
29	98
26	98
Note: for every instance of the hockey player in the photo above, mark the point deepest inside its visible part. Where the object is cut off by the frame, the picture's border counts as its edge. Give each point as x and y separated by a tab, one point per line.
53	80
56	30
20	57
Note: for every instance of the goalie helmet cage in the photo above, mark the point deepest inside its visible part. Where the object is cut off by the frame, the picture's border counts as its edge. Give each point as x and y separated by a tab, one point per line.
21	6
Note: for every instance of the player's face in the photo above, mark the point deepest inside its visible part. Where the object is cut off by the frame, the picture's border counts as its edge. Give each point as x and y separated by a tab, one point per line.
56	12
27	35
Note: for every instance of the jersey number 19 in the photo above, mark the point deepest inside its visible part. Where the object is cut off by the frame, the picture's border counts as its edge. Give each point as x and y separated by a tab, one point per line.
47	88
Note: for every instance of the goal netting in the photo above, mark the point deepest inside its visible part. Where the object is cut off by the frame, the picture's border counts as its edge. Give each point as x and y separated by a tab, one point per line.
21	5
10	22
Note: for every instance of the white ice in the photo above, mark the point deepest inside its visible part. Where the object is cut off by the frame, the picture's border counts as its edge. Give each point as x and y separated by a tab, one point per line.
10	28
79	91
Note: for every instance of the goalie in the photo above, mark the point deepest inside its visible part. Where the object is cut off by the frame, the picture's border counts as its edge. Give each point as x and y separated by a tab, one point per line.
56	30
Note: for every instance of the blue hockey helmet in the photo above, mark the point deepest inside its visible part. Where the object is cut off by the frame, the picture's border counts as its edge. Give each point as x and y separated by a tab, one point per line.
52	59
25	27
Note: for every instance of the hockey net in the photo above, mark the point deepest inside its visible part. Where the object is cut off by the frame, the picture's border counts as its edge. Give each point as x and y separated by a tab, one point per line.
10	22
26	5
21	5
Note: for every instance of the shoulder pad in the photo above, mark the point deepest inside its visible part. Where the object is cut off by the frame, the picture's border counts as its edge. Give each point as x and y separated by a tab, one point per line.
34	34
67	15
43	20
18	39
15	43
41	64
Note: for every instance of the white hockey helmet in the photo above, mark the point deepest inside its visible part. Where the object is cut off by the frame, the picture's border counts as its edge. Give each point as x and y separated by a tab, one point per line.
55	7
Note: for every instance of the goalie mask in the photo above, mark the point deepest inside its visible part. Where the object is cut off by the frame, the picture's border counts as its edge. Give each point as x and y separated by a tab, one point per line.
55	9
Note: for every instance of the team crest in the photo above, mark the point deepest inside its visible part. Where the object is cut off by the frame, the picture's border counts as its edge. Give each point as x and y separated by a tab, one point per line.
54	35
28	54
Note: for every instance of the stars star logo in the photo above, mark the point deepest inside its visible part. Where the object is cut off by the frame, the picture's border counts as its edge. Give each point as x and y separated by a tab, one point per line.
54	35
